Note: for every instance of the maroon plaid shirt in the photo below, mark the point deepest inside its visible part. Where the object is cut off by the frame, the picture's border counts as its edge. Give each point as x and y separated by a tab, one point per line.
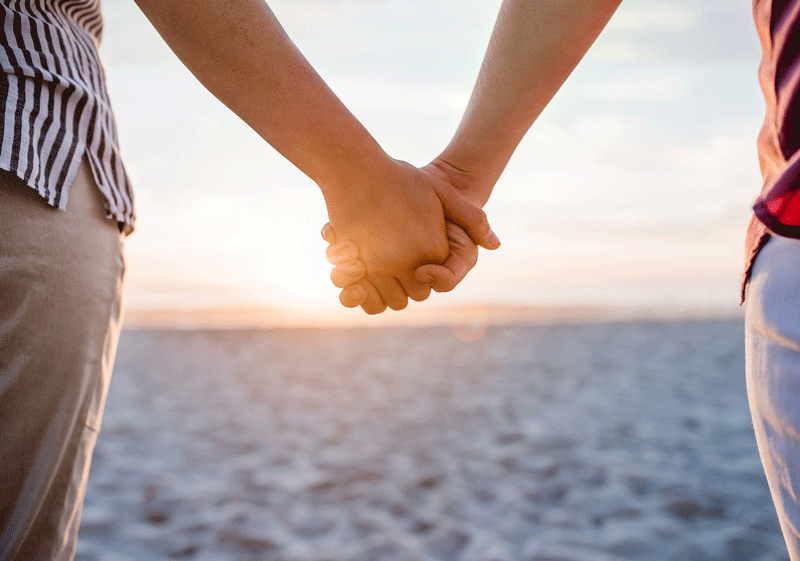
777	210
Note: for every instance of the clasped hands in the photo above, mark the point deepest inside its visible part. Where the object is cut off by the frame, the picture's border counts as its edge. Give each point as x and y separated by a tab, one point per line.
402	232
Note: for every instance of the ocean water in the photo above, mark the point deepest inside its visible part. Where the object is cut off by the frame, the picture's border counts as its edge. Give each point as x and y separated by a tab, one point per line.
603	442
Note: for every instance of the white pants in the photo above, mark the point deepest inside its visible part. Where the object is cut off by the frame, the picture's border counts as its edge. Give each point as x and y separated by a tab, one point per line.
772	350
60	305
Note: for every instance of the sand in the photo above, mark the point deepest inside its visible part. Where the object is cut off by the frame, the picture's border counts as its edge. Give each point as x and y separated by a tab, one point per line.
597	442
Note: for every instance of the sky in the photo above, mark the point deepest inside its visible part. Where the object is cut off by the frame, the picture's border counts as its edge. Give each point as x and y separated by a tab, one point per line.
633	188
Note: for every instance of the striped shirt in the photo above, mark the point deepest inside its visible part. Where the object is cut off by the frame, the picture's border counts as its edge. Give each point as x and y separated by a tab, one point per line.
55	105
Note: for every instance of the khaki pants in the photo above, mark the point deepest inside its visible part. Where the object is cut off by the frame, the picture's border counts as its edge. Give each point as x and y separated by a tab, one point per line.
60	313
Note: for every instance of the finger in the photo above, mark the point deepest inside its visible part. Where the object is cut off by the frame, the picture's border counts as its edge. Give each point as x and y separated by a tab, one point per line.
341	252
417	291
468	215
374	303
438	277
355	295
345	274
391	292
463	257
328	233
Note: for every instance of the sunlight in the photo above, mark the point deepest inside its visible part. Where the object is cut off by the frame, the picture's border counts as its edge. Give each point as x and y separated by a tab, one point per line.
303	278
224	220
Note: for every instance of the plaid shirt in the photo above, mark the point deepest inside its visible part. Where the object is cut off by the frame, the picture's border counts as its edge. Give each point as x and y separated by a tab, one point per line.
777	210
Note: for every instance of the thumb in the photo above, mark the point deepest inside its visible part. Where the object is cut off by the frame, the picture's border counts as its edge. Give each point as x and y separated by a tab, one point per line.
328	234
463	257
466	214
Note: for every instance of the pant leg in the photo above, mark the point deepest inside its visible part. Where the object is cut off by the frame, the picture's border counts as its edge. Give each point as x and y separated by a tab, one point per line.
60	312
772	350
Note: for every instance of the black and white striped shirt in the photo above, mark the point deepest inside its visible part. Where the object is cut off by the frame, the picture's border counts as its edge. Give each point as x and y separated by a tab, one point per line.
56	108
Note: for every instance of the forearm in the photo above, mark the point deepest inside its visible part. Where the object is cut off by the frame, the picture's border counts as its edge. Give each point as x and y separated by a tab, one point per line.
535	46
240	53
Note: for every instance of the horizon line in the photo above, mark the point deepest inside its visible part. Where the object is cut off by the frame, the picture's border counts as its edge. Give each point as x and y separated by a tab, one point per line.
483	314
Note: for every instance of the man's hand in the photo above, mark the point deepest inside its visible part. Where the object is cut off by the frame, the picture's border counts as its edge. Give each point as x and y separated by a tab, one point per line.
349	272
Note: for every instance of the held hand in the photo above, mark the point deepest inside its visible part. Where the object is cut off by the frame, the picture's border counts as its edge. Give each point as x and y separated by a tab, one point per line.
348	272
463	257
397	225
394	222
358	283
462	185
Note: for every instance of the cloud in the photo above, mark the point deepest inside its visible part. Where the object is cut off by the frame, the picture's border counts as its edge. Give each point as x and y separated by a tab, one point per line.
129	38
656	17
653	86
445	39
682	30
651	132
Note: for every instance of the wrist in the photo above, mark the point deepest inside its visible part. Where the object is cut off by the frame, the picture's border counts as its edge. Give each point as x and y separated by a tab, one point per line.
349	172
357	189
472	181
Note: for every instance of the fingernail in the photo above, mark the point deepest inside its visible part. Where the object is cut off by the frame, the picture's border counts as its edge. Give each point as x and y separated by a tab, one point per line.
494	241
358	292
326	231
425	277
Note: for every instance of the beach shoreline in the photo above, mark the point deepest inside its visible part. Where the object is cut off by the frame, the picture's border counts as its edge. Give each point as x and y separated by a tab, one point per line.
569	442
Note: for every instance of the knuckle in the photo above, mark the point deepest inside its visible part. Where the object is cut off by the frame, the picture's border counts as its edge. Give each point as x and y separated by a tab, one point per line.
421	294
340	252
472	260
446	287
446	284
440	251
339	279
346	301
329	254
481	221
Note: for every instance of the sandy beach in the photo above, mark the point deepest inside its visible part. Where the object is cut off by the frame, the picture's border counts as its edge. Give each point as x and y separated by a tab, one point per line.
595	442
